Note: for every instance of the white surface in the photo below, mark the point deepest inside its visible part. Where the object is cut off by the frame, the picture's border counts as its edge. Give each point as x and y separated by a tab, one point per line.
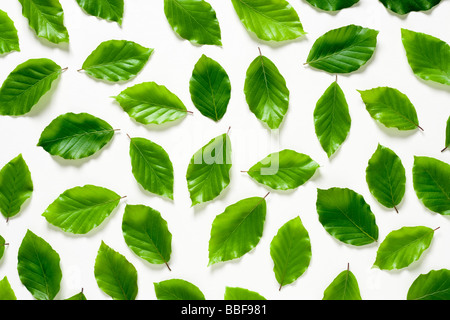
171	65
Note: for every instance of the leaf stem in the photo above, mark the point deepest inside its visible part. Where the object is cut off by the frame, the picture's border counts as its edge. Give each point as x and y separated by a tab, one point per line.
436	229
396	210
229	128
5	244
419	127
266	195
64	69
167	266
79	70
444	149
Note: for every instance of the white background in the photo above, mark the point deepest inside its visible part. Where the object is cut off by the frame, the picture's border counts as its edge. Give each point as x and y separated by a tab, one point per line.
171	65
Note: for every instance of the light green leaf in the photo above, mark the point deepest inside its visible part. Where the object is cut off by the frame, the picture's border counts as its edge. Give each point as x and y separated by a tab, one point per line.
332	119
343	50
16	186
46	18
431	179
385	176
26	85
39	267
79	210
332	5
210	88
147	234
391	108
177	289
151	167
115	276
6	292
269	20
402	247
428	57
78	296
116	60
111	10
193	20
150	103
241	294
9	41
447	135
75	136
406	6
266	92
346	216
291	252
344	287
435	285
208	173
237	230
284	170
2	247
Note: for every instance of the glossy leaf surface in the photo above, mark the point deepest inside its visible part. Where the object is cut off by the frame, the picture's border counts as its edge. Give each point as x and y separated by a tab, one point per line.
435	285
241	294
9	41
406	6
332	5
344	287
6	292
177	289
111	10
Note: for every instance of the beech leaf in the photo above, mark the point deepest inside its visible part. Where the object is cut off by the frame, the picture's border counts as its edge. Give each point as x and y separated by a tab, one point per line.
2	247
435	285
111	10
177	289
9	41
332	5
447	136
6	292
241	294
344	287
406	6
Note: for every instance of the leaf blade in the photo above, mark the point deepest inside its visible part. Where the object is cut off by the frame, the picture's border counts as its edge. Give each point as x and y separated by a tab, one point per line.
332	5
435	285
6	292
9	41
177	289
344	287
407	6
111	10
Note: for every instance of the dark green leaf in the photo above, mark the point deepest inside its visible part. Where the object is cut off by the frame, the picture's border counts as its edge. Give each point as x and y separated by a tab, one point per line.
81	209
147	234
149	103
16	186
344	287
39	267
346	216
266	92
402	247
291	252
406	6
431	179
78	296
237	230
269	20
115	276
208	173
343	50
111	10
332	119
447	135
210	88
152	167
435	285
75	136
26	85
385	176
116	60
284	170
6	292
193	20
2	247
9	41
177	289
332	5
240	294
46	18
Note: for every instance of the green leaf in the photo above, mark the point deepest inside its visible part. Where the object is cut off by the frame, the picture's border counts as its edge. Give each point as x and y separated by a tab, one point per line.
291	252
385	176
343	50
431	180
26	85
346	216
16	186
177	289
344	287
332	5
147	234
78	296
151	167
115	276
210	88
208	173
237	230
9	41
79	210
428	57
46	18
111	10
332	119
435	285
447	135
266	92
39	267
2	247
75	136
269	20
406	6
391	108
193	20
116	60
6	292
240	294
402	247
150	103
284	170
